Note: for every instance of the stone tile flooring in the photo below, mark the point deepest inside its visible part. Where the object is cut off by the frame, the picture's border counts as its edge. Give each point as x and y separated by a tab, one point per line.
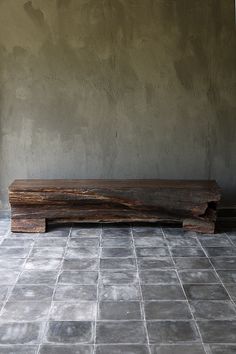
115	290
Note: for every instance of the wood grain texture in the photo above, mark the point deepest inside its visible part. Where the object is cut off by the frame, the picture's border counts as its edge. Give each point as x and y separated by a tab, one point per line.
114	200
28	225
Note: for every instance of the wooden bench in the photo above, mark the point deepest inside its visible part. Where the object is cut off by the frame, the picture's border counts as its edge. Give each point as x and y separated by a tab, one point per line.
35	202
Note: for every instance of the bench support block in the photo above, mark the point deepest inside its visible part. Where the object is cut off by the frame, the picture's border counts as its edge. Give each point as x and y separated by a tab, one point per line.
28	225
199	225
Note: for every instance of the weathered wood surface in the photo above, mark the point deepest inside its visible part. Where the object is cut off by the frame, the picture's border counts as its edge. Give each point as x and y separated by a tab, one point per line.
28	225
115	201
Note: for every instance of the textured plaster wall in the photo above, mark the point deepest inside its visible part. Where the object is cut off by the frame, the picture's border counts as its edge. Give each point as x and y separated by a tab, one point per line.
118	89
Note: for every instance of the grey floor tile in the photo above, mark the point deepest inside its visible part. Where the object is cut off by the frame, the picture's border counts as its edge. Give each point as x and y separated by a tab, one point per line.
147	231
192	263
162	292
118	263
119	310
233	239
18	349
76	293
5	221
66	349
6	263
222	349
25	311
84	242
117	252
82	252
78	277
3	233
198	276
116	231
18	243
3	292
122	349
20	333
118	277
88	264
167	310
155	263
14	252
159	277
152	252
178	231
205	292
213	310
224	263
79	311
119	293
182	241
117	241
149	241
216	240
120	332
220	251
187	252
178	349
58	232
8	277
31	293
38	277
119	315
22	235
47	252
69	332
42	241
231	288
42	263
85	232
172	332
227	276
218	331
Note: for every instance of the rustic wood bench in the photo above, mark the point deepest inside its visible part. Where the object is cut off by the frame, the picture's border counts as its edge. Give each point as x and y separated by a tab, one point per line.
35	202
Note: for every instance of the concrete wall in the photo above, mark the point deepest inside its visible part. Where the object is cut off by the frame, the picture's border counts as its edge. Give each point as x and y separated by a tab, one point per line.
118	89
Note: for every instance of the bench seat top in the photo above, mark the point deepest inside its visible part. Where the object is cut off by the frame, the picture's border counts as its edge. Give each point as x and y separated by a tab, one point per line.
41	185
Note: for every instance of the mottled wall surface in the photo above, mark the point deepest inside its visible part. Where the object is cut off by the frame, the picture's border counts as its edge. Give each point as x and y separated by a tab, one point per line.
118	89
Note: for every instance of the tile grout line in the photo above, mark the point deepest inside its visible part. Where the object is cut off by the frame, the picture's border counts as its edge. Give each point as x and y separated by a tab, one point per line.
217	275
5	233
221	282
181	284
98	280
12	286
229	239
54	291
141	302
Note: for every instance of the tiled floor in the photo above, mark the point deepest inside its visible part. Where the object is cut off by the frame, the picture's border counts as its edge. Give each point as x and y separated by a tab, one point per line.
115	290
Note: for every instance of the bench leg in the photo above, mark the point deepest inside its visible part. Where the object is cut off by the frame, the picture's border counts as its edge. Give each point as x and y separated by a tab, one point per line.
28	225
199	225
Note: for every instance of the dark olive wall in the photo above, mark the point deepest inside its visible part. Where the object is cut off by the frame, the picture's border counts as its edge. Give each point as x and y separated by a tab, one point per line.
118	88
